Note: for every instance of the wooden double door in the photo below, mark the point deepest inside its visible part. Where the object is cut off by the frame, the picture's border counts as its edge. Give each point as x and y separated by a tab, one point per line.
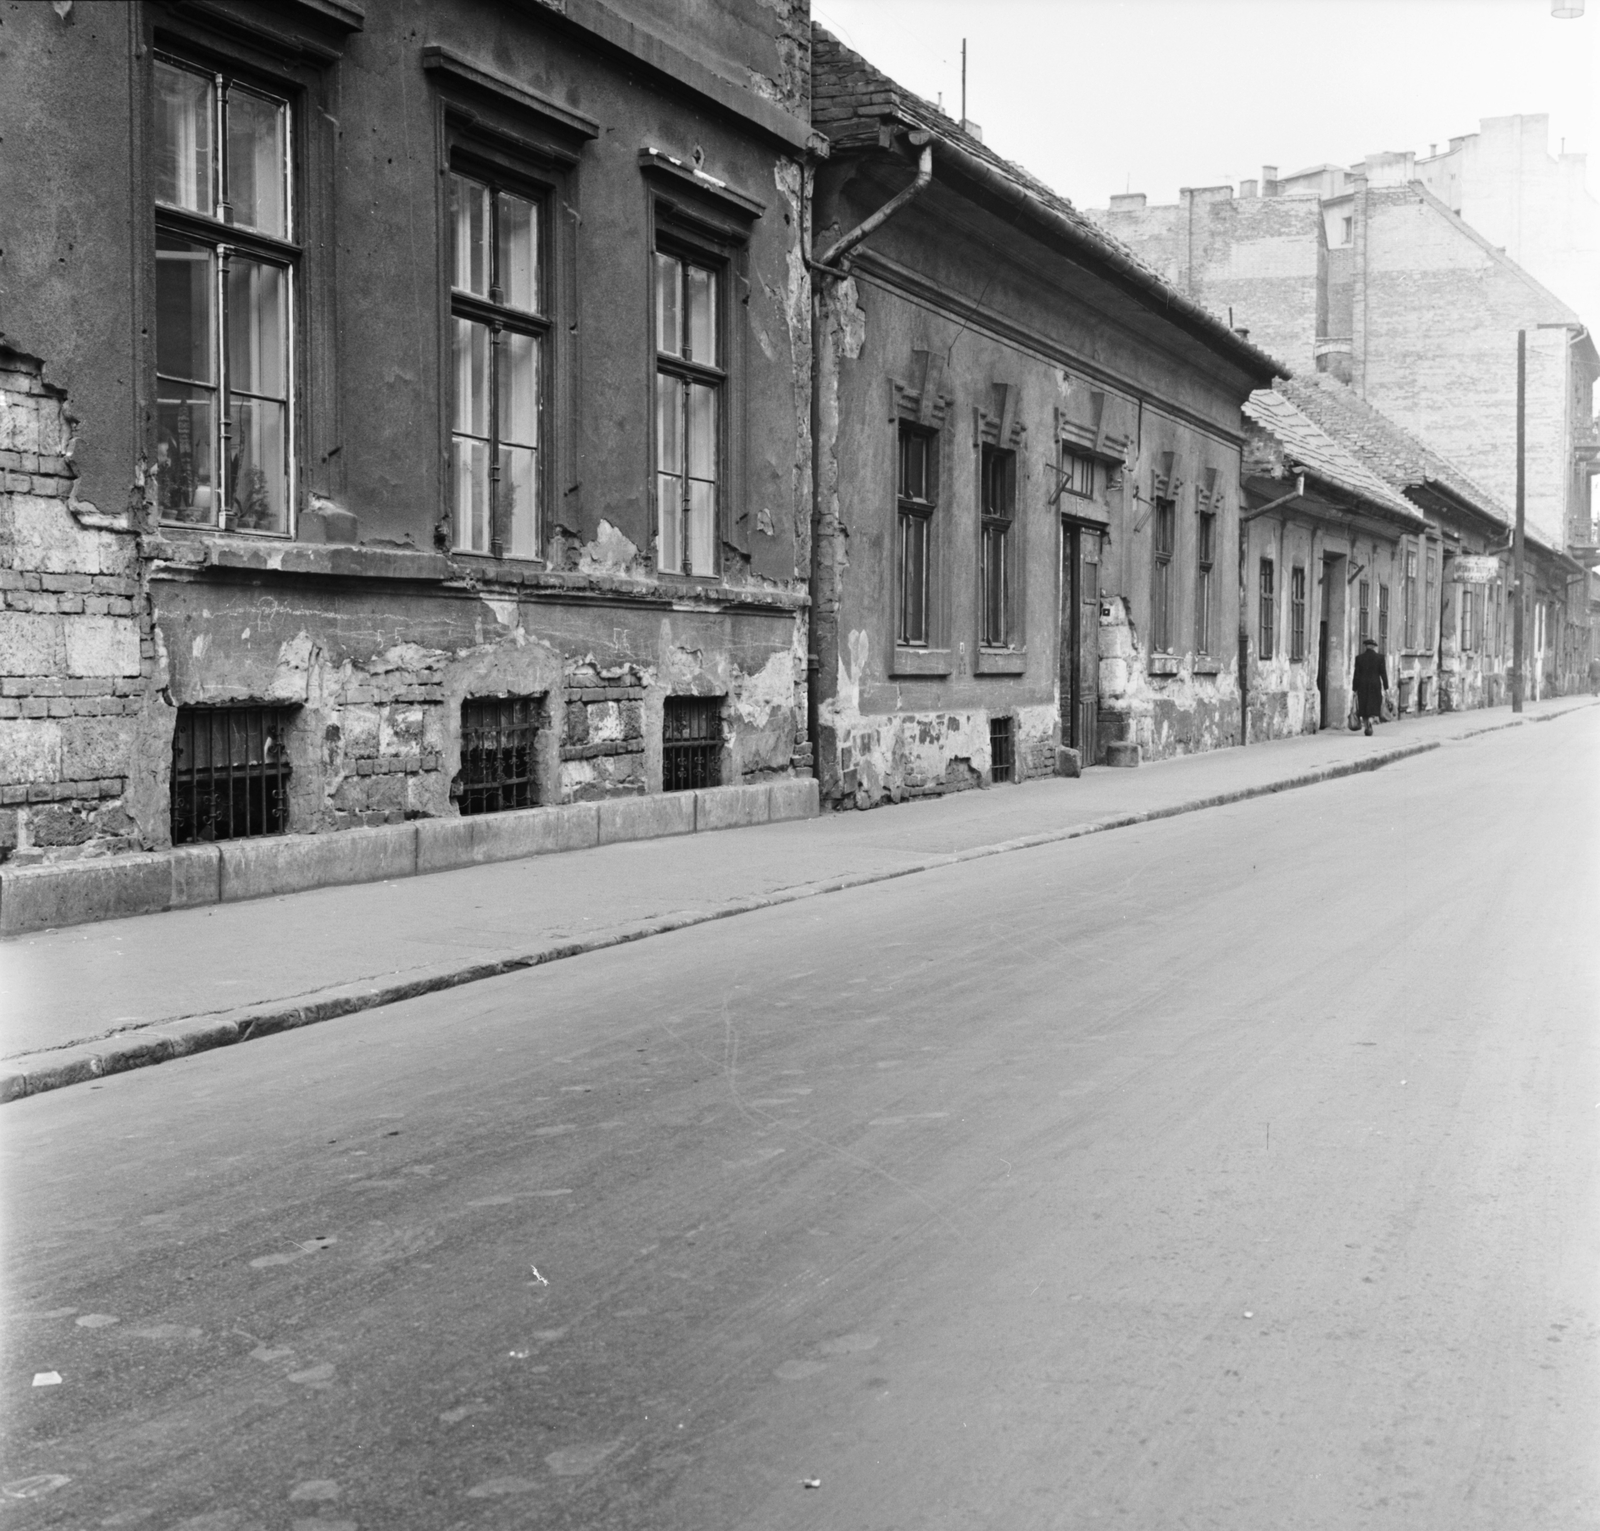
1080	638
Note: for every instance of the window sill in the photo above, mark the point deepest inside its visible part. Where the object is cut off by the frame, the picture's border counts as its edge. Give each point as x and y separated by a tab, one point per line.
924	662
1204	664
1163	664
1001	662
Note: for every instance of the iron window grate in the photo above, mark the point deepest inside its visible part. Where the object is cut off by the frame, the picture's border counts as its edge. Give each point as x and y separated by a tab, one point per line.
691	743
230	773
498	758
1000	753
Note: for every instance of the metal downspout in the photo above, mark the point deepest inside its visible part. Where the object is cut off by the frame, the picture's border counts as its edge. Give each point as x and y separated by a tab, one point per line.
822	267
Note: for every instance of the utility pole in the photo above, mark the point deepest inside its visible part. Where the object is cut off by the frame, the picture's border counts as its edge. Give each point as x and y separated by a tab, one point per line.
963	82
1516	540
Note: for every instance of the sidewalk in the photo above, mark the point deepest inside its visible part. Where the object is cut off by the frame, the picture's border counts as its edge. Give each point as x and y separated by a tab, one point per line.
96	999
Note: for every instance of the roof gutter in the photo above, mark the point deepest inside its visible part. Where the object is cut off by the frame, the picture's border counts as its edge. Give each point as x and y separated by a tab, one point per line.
840	248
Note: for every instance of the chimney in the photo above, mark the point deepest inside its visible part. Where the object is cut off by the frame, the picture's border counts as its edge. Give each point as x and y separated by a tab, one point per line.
1247	188
971	129
1269	180
1128	202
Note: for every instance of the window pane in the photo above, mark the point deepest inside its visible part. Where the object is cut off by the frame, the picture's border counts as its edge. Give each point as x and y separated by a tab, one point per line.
185	302
258	467
669	423
702	527
669	509
518	236
994	584
669	290
702	431
184	119
519	389
469	468
185	441
258	328
702	325
519	502
257	166
913	466
914	579
469	223
471	414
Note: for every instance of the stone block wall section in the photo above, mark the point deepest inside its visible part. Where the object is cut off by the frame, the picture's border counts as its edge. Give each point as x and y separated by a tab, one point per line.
110	887
78	659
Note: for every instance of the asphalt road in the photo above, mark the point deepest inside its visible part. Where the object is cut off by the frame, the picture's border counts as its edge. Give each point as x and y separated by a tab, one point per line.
1236	1171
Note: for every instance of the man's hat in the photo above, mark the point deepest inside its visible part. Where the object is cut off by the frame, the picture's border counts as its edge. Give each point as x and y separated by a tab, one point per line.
1371	643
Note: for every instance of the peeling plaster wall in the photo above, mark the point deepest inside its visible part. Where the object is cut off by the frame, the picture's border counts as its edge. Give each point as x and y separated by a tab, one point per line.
983	337
81	673
1169	714
367	626
377	685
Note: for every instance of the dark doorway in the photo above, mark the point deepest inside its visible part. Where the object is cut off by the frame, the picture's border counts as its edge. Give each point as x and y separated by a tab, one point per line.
1080	639
1324	689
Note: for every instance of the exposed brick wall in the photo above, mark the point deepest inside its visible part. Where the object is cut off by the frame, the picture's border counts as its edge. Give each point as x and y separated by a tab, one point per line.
76	653
602	745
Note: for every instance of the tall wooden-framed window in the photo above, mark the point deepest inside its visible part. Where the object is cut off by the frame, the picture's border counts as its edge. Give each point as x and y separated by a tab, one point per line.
916	496
1408	597
1267	614
499	329
226	267
1205	558
1364	607
1430	618
1164	522
690	382
998	480
1297	614
1383	619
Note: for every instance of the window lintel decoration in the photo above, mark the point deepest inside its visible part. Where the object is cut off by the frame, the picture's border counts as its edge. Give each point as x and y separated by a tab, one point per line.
1000	425
1096	423
1207	491
711	198
541	110
1165	484
920	398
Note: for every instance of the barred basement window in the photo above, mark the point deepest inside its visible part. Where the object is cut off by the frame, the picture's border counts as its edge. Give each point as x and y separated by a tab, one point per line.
498	758
1001	759
230	773
691	743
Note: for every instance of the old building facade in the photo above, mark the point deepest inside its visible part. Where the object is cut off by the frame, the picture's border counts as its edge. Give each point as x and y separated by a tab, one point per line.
1027	475
404	420
1330	555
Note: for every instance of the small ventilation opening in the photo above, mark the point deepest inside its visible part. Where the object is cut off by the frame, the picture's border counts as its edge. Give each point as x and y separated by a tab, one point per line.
691	743
498	756
230	773
1000	756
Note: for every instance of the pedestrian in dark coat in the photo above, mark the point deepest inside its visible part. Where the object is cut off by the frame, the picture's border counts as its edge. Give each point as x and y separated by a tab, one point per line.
1371	682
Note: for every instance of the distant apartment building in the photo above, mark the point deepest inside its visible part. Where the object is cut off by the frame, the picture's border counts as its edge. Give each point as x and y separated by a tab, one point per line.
1368	275
1537	206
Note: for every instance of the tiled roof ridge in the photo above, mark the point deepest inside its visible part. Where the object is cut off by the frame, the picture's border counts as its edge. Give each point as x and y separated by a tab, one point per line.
1410	461
831	59
1321	450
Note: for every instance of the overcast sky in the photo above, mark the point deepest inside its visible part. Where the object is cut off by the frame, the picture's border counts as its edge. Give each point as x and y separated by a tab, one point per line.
1103	96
